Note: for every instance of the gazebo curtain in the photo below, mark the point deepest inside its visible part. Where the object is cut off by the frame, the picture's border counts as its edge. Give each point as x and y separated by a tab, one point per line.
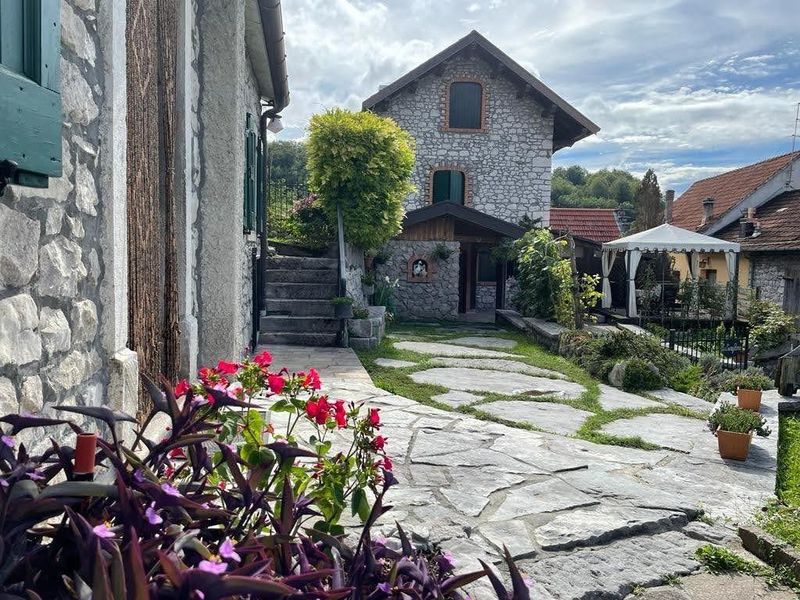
634	256
730	261
693	259
607	261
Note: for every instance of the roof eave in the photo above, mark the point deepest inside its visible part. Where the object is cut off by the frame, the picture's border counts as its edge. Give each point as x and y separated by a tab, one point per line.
274	38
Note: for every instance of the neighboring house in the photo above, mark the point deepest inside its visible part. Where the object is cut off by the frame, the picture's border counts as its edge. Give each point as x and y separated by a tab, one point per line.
590	228
758	207
485	132
131	149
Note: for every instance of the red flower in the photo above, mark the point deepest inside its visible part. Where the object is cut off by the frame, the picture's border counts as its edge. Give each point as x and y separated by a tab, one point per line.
374	417
222	484
341	414
182	387
207	374
276	383
228	368
387	463
312	380
263	360
177	453
379	442
318	410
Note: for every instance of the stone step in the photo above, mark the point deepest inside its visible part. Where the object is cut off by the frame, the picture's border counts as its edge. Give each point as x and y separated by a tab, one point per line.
293	324
300	308
301	262
302	291
301	276
289	338
290	250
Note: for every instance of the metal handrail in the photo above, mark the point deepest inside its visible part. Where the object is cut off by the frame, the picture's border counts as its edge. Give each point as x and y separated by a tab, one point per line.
342	336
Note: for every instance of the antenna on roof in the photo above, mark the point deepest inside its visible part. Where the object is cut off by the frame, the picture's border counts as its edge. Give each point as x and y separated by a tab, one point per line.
794	144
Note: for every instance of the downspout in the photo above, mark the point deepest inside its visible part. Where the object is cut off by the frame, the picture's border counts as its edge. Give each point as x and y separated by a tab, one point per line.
264	242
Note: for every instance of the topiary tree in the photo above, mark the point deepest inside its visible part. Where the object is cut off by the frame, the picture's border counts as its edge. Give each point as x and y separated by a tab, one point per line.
363	162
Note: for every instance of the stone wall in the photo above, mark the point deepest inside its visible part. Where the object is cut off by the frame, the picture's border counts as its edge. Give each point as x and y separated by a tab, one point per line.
768	271
436	299
507	167
53	261
485	297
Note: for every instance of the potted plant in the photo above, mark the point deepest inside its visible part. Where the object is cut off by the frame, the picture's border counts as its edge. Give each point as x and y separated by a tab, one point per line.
441	252
368	283
747	386
734	429
749	399
343	307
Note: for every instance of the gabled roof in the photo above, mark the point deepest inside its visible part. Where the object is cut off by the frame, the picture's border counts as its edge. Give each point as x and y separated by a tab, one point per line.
727	190
570	124
595	224
668	238
777	226
264	38
463	213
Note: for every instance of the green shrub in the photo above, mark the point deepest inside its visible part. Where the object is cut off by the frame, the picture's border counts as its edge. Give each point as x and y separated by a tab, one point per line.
362	162
729	417
359	312
686	379
313	225
544	278
770	326
657	330
714	383
787	479
640	375
441	251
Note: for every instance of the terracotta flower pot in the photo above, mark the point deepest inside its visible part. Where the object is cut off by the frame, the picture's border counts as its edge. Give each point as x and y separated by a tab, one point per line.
733	445
85	449
749	399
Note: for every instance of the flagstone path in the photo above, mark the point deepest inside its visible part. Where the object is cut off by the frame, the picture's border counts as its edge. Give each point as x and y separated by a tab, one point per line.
583	520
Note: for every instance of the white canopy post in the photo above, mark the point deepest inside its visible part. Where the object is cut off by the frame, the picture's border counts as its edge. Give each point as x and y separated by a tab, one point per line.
607	261
633	263
693	258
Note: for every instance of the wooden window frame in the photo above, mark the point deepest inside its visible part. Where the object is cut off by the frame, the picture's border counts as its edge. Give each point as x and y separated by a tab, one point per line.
31	116
446	124
478	279
450	167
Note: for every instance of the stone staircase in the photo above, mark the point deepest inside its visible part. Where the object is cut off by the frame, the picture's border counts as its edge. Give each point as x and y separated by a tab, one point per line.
299	289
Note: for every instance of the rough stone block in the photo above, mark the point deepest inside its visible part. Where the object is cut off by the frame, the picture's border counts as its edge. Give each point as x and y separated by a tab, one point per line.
360	328
123	386
31	398
60	268
20	343
74	34
76	95
56	334
8	397
19	244
363	343
85	190
84	321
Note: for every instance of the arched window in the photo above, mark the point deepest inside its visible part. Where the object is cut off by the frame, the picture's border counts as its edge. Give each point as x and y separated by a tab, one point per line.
465	105
448	186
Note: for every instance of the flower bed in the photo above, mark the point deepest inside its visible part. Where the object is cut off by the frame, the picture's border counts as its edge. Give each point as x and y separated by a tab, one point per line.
225	504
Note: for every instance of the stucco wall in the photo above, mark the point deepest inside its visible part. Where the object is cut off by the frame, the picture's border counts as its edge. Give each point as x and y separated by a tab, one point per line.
507	167
56	247
714	261
436	299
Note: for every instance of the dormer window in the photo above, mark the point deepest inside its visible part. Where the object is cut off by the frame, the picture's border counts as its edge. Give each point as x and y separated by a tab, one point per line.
465	106
448	186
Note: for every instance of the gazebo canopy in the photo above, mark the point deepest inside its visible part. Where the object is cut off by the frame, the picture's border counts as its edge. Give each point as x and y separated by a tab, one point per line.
664	238
668	238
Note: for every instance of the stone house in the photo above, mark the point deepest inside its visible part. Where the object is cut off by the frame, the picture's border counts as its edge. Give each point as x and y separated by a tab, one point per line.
485	132
131	165
756	206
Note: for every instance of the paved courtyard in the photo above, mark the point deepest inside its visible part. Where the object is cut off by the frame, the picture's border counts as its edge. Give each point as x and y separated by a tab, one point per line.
583	520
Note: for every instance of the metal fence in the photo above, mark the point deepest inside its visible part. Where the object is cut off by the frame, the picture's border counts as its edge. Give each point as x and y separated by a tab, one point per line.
730	346
281	203
670	303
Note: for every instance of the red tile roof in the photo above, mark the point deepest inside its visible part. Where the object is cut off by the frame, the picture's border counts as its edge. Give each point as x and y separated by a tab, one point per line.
777	222
727	190
596	224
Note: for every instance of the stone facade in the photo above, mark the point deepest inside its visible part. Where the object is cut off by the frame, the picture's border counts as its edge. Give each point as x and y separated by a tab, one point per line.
506	165
485	297
56	345
435	299
768	270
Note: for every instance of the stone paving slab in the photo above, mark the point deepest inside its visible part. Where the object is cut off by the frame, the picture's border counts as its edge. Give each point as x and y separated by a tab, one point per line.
484	342
442	349
393	363
683	434
456	398
497	364
485	380
671	396
547	496
548	416
612	398
705	586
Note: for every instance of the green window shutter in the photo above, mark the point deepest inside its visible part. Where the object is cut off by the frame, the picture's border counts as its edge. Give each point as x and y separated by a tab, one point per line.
466	98
261	186
448	186
250	174
30	104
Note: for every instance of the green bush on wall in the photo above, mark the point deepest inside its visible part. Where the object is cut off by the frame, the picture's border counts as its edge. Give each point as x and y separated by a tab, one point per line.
787	479
363	162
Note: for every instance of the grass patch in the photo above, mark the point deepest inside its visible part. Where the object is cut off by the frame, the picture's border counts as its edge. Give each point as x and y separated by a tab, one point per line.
720	560
782	521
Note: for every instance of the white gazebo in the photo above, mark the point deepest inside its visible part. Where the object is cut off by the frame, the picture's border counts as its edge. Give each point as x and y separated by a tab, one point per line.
664	238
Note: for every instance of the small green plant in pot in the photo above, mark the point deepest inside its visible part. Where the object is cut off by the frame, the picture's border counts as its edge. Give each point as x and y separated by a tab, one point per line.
734	429
441	251
748	389
359	312
343	307
368	283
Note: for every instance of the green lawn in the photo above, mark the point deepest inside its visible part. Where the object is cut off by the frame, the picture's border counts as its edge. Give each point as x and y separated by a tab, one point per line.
398	381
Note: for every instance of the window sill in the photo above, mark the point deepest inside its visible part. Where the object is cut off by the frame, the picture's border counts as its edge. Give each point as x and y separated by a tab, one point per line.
461	130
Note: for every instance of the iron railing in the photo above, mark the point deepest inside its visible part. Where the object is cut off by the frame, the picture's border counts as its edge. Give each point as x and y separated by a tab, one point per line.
729	345
282	201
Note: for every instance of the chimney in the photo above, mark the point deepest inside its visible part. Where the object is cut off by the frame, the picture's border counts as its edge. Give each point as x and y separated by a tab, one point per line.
746	227
708	210
670	198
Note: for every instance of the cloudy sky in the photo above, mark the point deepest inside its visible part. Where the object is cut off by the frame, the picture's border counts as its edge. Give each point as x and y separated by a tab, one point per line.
690	88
